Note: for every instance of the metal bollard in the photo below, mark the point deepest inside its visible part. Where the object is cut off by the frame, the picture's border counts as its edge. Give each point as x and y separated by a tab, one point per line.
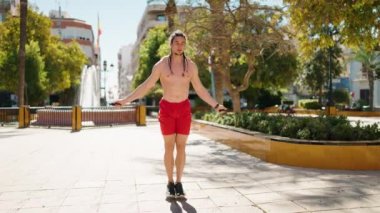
24	117
141	115
76	118
331	111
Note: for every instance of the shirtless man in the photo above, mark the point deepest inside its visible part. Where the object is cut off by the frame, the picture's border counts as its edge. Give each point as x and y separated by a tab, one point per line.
175	73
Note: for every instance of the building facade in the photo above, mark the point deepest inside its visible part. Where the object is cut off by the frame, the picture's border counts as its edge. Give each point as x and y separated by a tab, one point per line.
8	6
359	85
153	15
125	70
69	29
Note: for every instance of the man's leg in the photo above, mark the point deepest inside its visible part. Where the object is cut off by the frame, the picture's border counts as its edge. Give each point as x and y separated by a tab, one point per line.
180	142
168	157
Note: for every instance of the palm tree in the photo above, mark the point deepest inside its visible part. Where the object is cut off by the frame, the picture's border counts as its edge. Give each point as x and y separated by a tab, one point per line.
170	12
21	53
371	67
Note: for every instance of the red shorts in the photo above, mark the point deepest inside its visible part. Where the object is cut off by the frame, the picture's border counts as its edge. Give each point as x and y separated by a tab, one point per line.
175	118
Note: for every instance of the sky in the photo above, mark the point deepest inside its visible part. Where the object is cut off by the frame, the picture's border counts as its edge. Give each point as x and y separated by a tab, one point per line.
118	20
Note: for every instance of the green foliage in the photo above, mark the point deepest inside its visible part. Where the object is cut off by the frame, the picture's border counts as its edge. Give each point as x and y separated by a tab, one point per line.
150	53
64	64
35	75
312	105
261	98
51	65
275	70
356	22
302	102
370	67
341	96
249	43
308	128
316	68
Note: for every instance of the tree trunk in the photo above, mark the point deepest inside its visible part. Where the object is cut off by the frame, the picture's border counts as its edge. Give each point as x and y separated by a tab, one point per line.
21	52
371	87
235	96
170	12
219	85
320	94
217	24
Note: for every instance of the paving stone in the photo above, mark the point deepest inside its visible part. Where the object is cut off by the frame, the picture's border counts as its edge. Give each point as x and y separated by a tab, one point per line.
88	172
242	209
238	200
267	197
281	206
341	202
119	208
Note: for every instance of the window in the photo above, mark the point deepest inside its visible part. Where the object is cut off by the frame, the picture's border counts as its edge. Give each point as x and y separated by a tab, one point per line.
161	17
364	95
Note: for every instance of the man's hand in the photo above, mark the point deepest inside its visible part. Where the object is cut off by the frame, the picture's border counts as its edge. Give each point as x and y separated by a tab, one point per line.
117	103
221	109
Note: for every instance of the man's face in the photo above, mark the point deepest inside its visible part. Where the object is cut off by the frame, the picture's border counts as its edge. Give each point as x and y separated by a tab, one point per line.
178	45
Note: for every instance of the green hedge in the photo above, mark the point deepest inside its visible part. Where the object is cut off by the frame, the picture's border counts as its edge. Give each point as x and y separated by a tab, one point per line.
313	105
309	128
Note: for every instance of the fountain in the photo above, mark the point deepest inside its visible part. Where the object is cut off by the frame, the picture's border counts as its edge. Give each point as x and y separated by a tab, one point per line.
89	95
89	99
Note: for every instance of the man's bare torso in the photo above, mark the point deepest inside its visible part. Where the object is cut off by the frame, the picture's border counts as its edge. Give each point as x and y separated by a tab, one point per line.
175	84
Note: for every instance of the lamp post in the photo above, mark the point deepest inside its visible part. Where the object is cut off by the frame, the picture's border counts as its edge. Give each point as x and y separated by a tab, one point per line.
109	85
331	110
330	102
211	59
103	99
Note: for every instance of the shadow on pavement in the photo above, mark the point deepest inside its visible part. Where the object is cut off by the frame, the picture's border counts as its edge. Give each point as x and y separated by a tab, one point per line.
176	208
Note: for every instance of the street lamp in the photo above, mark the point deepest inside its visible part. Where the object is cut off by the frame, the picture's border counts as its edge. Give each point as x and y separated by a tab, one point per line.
330	103
103	99
211	59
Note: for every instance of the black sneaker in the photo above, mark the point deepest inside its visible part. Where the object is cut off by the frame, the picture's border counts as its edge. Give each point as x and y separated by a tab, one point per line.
170	192
179	190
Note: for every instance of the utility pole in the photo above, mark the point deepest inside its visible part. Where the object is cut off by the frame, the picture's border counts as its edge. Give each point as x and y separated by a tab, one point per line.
21	52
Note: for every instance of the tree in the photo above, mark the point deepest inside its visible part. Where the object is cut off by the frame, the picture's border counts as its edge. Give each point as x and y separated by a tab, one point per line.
356	22
171	11
341	96
273	73
149	53
21	51
35	75
62	64
316	69
370	67
236	31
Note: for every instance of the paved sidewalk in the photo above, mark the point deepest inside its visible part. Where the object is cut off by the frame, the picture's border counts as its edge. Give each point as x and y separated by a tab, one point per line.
120	169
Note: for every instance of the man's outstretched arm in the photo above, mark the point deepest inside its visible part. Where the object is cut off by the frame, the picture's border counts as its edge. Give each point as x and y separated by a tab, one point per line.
142	89
203	93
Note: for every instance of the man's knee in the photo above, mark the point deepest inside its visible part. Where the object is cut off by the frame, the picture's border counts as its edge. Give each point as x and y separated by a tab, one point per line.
180	146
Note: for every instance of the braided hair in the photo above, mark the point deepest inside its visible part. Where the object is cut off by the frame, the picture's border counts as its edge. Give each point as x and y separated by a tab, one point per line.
178	33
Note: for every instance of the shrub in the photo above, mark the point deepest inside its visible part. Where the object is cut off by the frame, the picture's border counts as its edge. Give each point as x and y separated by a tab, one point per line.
312	105
302	102
341	96
303	134
309	128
